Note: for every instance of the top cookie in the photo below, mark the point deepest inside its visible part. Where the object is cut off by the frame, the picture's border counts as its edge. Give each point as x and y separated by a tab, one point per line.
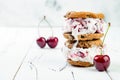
74	14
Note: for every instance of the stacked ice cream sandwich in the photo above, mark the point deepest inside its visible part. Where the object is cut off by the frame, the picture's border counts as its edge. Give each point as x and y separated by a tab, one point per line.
83	31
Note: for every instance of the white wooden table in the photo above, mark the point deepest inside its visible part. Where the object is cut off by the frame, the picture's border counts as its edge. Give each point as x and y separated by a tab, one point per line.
49	64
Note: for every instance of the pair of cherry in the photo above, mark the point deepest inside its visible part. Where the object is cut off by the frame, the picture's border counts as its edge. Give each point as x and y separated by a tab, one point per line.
51	41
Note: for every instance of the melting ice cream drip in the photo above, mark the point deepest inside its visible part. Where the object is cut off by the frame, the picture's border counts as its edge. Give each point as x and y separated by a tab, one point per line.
75	44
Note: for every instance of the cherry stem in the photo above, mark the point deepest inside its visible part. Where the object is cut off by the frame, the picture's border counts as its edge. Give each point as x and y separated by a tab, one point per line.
105	35
44	19
101	51
39	25
49	25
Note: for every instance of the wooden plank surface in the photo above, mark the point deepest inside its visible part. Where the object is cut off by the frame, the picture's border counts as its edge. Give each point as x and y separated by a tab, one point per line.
16	42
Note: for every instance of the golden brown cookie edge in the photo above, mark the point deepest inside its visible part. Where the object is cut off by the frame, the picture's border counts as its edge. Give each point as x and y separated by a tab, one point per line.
74	14
84	37
79	63
83	44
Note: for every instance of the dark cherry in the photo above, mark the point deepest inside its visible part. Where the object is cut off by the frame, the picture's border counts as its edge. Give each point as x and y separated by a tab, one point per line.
74	27
101	62
41	42
52	42
79	29
81	54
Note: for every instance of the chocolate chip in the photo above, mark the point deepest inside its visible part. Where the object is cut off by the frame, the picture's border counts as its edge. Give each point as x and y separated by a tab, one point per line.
85	27
68	32
82	36
96	24
85	22
88	16
74	41
83	18
88	21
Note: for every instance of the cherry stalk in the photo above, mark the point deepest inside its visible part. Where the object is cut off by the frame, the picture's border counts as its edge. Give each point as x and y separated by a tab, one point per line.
39	25
49	24
105	36
106	33
44	19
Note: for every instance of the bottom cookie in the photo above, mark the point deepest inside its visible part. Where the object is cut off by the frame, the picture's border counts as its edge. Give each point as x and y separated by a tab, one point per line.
79	63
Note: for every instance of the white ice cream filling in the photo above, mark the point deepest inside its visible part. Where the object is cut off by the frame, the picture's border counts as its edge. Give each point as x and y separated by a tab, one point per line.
84	26
80	54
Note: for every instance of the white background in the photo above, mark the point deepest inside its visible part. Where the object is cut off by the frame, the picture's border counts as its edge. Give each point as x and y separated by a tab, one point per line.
27	13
